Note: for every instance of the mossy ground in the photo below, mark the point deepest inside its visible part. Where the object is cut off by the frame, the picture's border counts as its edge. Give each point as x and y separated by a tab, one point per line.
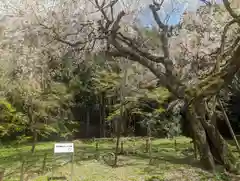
168	163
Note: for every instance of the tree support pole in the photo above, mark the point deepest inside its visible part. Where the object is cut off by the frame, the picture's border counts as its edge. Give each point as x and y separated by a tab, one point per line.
229	125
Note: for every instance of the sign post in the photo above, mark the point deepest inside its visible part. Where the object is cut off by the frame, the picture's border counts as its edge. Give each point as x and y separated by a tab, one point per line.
65	148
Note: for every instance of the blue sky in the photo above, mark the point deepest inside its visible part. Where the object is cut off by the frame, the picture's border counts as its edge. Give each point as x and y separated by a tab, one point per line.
146	18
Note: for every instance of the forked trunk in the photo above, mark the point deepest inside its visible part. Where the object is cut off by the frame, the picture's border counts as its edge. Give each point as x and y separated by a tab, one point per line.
213	149
200	137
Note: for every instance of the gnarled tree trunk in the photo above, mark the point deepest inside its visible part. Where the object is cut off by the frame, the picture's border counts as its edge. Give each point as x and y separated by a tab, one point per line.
213	149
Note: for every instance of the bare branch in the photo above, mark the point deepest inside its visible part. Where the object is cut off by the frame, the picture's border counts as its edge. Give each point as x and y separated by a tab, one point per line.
230	11
115	26
101	9
143	53
221	51
158	5
155	7
130	54
90	40
111	8
228	25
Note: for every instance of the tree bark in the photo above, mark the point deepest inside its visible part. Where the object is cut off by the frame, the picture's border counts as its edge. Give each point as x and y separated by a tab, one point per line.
34	140
213	149
206	157
87	122
100	115
119	123
32	127
103	114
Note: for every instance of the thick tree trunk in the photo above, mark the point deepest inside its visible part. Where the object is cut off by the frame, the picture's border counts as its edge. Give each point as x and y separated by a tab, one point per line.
201	139
100	116
34	140
103	114
87	123
124	125
213	149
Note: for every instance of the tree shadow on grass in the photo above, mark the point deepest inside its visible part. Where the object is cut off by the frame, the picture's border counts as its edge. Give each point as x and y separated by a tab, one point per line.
163	163
162	158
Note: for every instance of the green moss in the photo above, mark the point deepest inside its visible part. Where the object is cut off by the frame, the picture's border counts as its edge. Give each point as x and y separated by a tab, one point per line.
207	87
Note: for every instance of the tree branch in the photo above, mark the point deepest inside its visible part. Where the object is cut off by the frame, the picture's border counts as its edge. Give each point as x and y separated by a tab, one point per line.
127	48
231	12
131	54
143	53
101	9
155	7
231	48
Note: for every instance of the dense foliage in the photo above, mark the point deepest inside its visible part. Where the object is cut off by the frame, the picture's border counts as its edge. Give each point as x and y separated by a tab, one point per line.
66	89
70	72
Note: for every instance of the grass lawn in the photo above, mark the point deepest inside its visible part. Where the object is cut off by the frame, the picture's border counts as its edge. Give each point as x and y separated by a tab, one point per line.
167	162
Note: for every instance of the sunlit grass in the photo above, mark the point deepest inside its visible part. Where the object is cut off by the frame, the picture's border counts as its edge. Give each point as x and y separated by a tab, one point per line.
169	161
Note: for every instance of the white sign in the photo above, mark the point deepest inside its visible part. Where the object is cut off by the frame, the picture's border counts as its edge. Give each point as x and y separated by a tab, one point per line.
63	148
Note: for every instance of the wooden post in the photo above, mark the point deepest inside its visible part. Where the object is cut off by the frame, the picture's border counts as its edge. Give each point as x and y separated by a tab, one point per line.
97	146
195	148
34	141
87	122
133	148
175	144
150	151
54	158
149	142
147	145
72	166
229	125
103	114
97	151
22	169
44	163
100	115
121	148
